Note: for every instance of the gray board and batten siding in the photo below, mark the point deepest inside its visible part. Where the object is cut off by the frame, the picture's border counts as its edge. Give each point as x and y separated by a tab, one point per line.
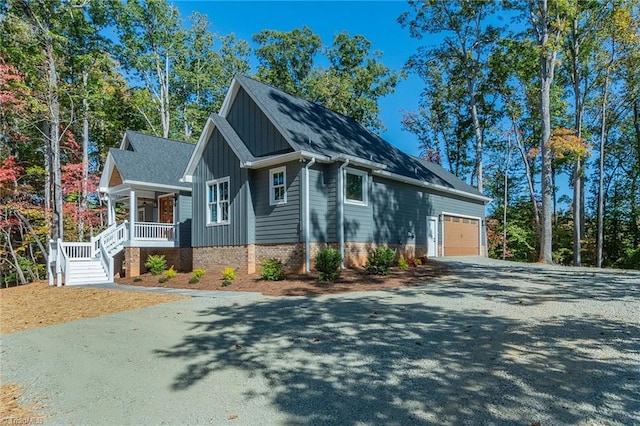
254	128
219	161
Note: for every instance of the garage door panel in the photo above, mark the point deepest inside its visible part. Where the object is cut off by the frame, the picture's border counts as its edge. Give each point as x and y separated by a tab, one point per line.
461	236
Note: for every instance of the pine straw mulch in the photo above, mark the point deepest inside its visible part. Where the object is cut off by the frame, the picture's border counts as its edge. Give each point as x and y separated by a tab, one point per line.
299	284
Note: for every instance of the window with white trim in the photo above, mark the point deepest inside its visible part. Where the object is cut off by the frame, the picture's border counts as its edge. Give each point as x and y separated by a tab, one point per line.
278	186
355	187
218	201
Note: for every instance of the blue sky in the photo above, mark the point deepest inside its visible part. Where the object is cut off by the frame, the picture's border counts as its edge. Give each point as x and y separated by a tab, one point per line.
376	20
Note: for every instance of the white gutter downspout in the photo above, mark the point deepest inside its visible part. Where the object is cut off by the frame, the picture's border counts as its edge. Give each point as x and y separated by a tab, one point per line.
307	244
341	210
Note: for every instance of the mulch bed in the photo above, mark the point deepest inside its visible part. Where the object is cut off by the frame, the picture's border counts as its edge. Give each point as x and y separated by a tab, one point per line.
300	284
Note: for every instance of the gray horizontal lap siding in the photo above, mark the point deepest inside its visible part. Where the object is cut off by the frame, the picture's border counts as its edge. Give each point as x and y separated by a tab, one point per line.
185	212
278	223
322	203
401	208
219	161
254	128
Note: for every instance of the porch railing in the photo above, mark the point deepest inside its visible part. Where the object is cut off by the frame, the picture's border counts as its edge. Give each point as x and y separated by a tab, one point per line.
80	251
154	231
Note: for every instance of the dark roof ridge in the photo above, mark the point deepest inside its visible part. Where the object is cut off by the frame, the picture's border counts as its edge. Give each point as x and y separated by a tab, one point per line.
159	137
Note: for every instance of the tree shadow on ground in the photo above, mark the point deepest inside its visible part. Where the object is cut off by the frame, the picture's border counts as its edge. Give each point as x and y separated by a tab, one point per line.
390	358
533	284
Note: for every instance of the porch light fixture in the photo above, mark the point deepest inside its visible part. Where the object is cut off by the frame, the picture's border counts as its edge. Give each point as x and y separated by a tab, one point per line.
410	235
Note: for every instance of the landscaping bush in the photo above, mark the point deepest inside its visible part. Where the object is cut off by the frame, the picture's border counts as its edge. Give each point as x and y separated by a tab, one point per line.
328	264
137	279
272	270
226	283
198	273
379	261
402	263
163	280
156	264
417	261
228	274
170	273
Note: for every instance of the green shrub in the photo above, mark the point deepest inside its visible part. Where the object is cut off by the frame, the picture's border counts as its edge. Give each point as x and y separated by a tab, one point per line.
402	263
417	261
379	261
163	280
198	273
228	274
137	279
328	264
170	273
272	270
226	283
194	280
156	264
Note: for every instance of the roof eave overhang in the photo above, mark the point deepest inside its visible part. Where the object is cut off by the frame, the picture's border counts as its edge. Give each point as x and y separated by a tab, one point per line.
428	185
357	161
284	158
144	186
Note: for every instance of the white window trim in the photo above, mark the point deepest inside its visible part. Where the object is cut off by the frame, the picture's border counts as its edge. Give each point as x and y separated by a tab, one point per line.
272	201
217	182
365	187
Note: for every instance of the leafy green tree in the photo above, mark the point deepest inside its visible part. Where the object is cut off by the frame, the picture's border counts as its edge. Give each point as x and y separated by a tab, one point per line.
461	58
354	81
286	58
151	40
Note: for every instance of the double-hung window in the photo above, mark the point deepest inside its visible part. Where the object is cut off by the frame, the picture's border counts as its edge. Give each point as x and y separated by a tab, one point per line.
218	201
278	186
355	187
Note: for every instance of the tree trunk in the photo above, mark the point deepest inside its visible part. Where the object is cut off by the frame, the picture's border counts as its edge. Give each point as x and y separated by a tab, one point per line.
478	135
577	171
600	213
85	155
506	199
548	54
54	137
532	192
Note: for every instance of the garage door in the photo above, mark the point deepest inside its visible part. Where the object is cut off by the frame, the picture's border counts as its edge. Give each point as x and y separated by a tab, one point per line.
461	236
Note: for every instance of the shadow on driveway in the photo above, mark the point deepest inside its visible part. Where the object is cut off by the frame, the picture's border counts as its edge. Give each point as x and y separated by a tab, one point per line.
395	358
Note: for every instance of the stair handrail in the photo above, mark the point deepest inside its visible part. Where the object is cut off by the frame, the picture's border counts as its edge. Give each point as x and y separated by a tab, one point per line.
107	261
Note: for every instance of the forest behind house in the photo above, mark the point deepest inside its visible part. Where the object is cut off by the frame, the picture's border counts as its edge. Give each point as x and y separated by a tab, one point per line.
512	112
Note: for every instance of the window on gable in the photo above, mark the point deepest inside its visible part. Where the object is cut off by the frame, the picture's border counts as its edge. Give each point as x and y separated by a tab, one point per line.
278	186
356	187
218	201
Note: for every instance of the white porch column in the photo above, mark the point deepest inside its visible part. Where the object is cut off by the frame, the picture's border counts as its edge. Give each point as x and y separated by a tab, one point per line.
111	211
133	212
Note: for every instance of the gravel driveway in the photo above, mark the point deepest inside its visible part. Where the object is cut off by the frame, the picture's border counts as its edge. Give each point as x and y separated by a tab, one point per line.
494	343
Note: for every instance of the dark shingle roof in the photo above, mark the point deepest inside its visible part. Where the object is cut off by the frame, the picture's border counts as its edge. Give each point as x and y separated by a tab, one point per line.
311	127
153	159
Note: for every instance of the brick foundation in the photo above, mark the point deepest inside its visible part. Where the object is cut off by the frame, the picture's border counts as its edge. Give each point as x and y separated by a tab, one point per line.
135	257
249	258
215	259
292	255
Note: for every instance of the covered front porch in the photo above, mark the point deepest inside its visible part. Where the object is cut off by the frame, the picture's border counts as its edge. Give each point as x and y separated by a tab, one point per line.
149	216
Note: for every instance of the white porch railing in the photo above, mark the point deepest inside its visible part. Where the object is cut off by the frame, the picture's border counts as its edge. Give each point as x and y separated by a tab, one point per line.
150	231
105	245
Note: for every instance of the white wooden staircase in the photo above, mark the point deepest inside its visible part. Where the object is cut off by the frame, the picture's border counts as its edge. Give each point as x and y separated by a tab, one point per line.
74	263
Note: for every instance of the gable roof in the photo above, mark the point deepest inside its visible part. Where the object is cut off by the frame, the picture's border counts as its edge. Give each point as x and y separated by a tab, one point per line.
149	159
315	131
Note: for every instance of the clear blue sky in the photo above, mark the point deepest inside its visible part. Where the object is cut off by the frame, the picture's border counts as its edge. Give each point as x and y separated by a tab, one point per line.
376	20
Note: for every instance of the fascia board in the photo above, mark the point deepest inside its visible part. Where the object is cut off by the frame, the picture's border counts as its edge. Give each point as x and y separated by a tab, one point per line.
187	176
